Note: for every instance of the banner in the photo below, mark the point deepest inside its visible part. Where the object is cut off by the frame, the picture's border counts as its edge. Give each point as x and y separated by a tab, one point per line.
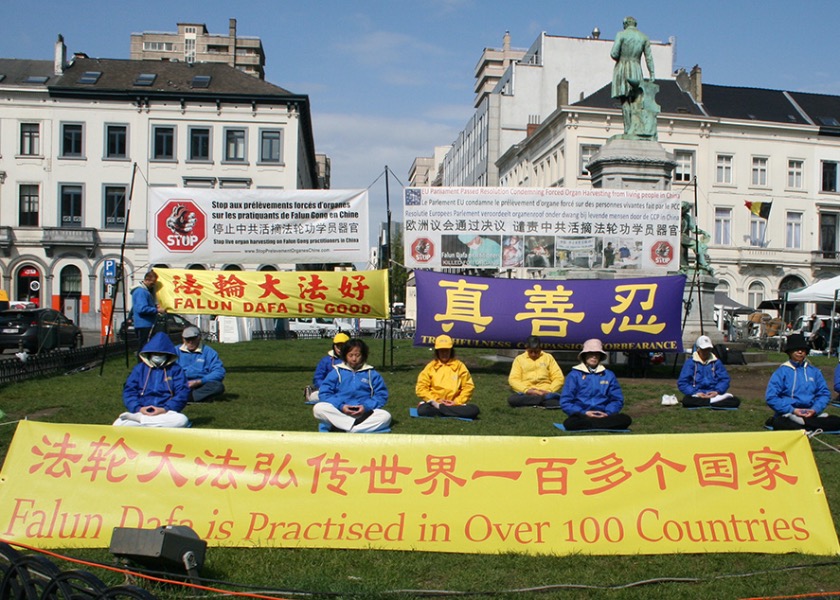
626	314
541	228
67	485
274	294
194	225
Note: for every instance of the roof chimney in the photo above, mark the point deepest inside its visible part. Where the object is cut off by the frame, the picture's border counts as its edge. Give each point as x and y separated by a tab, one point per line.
696	86
563	92
60	56
506	41
232	28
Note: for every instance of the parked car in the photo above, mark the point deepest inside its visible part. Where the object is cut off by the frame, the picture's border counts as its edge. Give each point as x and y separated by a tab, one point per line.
169	323
323	327
38	329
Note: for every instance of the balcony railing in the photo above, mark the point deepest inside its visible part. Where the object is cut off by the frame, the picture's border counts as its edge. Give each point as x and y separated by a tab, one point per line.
75	237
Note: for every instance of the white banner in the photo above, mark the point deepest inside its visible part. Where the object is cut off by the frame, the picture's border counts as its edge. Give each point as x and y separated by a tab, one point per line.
189	225
558	228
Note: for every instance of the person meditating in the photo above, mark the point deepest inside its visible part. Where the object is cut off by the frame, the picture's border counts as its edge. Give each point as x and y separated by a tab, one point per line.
704	380
535	377
591	395
797	392
324	366
445	386
353	394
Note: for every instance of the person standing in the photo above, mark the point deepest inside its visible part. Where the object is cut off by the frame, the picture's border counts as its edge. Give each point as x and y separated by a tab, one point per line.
144	307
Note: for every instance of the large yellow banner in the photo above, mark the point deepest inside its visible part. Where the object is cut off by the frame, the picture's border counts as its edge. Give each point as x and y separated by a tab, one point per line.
274	294
69	485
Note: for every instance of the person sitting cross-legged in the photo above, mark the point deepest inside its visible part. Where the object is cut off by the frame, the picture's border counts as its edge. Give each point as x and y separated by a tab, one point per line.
156	390
535	377
445	386
797	392
325	366
591	395
202	366
353	394
704	380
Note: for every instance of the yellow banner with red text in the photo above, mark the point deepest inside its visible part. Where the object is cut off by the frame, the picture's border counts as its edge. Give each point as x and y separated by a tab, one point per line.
67	485
274	294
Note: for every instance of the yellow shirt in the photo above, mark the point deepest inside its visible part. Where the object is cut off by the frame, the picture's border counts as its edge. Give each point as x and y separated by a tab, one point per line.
542	374
445	381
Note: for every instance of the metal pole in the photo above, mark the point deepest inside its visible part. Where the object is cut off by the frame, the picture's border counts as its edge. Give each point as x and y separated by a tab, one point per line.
390	262
697	260
120	276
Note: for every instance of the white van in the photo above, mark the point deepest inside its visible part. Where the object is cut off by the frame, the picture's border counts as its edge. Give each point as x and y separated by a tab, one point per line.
312	327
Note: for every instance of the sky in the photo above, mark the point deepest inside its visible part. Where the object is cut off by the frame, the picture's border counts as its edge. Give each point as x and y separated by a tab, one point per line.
388	80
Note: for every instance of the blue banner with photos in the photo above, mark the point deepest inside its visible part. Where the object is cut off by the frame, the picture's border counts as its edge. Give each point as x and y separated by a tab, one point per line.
626	314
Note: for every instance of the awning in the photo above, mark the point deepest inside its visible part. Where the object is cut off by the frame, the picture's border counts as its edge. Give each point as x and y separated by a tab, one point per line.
776	304
732	306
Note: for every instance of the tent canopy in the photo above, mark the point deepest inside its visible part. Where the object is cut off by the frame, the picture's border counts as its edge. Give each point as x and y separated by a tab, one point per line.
820	291
726	303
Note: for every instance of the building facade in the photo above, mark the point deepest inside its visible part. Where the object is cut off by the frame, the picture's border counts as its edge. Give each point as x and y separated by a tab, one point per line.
554	69
82	143
193	44
741	145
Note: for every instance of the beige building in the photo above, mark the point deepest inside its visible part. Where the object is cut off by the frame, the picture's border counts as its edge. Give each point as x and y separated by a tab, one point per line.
193	44
741	144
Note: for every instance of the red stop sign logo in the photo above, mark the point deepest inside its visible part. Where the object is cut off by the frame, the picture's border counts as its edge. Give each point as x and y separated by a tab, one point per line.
422	250
180	225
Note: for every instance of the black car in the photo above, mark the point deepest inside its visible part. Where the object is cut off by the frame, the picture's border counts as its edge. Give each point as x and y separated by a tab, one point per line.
169	323
37	329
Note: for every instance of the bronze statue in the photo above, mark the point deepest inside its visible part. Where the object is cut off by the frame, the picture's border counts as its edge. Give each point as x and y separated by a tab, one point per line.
637	95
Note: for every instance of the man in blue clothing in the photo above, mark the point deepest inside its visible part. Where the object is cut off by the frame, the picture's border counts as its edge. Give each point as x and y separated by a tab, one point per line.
156	390
202	366
797	392
704	380
144	307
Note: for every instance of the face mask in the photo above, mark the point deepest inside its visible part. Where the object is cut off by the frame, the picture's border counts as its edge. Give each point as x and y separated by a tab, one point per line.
158	360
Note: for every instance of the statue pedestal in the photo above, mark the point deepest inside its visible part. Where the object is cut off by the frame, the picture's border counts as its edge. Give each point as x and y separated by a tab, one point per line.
632	165
700	300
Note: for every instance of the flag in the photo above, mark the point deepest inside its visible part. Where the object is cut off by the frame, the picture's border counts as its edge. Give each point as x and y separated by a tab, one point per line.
760	209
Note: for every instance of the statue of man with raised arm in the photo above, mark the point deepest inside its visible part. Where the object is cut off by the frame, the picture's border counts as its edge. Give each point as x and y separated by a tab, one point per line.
637	95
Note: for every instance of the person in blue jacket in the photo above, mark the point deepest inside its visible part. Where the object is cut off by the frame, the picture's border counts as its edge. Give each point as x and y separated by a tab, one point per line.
591	395
144	307
324	366
797	392
202	366
704	380
353	394
156	390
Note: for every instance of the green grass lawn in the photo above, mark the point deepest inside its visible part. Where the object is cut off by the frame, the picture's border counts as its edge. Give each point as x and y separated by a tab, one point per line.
265	382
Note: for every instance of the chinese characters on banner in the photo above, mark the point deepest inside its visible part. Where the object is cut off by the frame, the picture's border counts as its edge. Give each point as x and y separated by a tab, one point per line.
541	228
274	294
258	226
69	485
628	314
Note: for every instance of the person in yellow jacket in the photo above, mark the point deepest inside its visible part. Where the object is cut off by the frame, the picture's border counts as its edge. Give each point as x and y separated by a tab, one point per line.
535	377
445	386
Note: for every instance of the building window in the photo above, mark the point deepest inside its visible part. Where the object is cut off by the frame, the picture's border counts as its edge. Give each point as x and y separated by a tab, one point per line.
828	235
587	151
116	141
235	145
114	206
30	139
796	168
189	50
829	176
71	205
28	207
756	294
72	140
270	149
158	46
723	170
199	144
723	226
759	171
758	229
793	230
685	166
163	142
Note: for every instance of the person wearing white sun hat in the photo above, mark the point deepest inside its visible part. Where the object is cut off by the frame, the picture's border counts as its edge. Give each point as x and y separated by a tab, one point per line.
704	380
591	395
